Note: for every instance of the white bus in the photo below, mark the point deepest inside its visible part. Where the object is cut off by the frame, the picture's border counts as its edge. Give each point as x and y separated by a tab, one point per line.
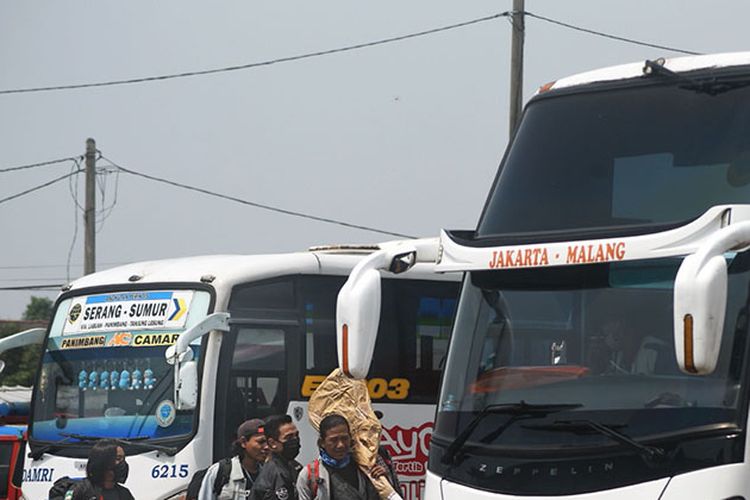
247	336
600	348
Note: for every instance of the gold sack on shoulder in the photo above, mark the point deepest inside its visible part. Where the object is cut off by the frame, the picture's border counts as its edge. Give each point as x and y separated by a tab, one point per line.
349	398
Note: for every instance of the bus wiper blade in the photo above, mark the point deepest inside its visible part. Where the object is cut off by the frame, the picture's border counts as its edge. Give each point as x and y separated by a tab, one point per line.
515	410
138	441
649	452
36	454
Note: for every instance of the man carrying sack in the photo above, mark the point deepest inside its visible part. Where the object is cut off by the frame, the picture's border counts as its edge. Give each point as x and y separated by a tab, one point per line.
348	397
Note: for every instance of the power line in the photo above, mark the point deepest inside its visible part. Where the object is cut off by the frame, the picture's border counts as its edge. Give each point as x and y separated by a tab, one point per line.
51	287
256	64
35	165
339	50
258	205
612	37
32	278
40	186
51	266
76	206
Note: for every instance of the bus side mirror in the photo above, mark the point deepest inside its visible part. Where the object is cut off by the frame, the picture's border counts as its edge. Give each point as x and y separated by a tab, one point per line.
21	339
181	356
358	304
357	320
700	299
188	386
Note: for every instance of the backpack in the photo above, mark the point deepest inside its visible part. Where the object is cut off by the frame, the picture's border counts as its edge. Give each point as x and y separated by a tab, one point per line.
222	478
313	477
65	484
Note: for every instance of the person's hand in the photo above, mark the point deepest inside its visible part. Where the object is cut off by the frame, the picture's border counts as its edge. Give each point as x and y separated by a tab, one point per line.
377	470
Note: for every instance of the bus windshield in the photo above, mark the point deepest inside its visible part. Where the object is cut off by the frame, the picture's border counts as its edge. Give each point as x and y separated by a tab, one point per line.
593	344
628	159
104	372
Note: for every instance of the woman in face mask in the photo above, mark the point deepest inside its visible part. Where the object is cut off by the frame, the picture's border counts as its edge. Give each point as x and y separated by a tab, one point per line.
335	475
106	470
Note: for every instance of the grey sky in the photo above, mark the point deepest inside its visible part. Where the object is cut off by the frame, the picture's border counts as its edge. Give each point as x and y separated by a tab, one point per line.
405	137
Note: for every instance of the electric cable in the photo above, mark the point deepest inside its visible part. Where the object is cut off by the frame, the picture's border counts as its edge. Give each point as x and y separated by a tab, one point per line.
259	205
255	64
52	266
53	287
40	186
610	36
348	48
35	165
76	207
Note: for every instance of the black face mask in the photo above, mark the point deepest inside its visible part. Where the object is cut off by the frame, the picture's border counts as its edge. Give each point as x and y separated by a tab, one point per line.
121	472
291	448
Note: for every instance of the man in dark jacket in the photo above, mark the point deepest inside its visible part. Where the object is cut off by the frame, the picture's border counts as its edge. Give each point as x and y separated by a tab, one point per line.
278	477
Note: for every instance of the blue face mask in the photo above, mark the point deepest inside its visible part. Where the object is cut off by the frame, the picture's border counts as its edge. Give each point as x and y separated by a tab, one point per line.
332	462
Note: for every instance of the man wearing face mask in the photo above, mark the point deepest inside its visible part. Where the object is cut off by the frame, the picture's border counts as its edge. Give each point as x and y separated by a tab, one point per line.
106	470
278	477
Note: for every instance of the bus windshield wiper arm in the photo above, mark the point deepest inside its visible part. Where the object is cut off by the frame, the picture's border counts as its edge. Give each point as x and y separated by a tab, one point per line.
36	454
712	86
515	410
137	441
650	452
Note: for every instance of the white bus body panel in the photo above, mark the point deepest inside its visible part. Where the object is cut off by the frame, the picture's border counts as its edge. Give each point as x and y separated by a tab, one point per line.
644	491
152	475
635	70
683	240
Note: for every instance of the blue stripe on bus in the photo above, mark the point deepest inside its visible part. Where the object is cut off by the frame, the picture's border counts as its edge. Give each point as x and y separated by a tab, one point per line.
116	297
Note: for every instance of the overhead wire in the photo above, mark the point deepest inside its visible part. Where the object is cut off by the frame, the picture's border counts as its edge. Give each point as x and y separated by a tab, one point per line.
358	46
35	165
30	279
76	207
106	211
52	266
259	205
269	62
610	36
51	287
40	186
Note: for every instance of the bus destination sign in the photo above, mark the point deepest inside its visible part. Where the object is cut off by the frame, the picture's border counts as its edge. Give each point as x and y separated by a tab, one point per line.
147	310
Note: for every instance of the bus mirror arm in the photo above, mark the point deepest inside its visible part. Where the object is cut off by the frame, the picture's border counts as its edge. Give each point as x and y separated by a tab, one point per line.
181	351
700	300
358	303
181	356
21	339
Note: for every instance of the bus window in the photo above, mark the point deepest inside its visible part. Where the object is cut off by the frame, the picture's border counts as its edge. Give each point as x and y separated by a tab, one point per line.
257	377
415	322
255	368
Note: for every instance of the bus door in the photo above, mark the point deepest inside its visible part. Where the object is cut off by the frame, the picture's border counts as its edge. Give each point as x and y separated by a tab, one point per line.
258	371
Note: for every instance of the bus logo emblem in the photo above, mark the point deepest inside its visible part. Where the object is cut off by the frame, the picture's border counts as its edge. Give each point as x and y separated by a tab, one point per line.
75	312
165	413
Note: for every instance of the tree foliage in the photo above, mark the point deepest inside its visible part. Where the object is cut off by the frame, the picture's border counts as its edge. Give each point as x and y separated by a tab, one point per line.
39	308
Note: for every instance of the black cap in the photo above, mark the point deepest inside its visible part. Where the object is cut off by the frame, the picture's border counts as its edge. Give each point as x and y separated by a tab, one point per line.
250	427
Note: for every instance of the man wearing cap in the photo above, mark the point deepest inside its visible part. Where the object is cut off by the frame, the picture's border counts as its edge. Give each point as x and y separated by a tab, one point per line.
232	479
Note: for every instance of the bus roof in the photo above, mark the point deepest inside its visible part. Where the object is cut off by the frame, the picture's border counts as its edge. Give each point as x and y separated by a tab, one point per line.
634	70
228	270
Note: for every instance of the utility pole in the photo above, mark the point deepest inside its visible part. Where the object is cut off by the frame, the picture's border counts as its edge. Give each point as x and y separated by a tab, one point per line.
516	64
89	215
